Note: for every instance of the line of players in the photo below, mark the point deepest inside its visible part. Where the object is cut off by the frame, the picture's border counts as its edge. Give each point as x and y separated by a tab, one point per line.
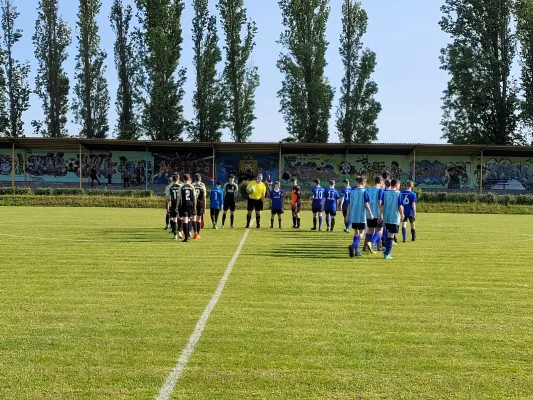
374	213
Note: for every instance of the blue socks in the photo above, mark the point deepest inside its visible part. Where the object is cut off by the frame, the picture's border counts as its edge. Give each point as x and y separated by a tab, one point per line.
314	222
368	238
319	222
388	246
356	243
404	234
327	221
376	238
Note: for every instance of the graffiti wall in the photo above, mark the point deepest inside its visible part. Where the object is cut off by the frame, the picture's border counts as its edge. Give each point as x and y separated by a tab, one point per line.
246	166
6	165
507	173
183	162
446	173
374	165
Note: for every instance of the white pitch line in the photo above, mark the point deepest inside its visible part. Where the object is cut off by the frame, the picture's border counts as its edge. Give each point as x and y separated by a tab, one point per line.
173	377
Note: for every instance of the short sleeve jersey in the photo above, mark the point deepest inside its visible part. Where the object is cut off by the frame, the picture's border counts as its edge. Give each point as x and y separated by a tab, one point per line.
199	187
408	198
277	199
332	196
375	195
358	199
259	192
187	196
391	201
318	197
230	191
296	194
174	193
345	194
217	196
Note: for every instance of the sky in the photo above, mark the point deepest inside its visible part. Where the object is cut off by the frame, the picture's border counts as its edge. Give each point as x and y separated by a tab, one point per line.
407	41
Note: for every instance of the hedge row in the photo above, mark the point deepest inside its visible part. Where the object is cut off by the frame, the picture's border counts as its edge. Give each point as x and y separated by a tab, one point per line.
23	190
488	198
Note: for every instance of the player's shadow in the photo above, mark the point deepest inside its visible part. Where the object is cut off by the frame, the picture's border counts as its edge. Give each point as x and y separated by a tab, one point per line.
308	251
129	236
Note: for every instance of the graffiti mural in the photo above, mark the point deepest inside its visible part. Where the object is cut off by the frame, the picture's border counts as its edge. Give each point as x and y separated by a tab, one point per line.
183	162
6	165
448	174
505	173
374	165
247	166
308	167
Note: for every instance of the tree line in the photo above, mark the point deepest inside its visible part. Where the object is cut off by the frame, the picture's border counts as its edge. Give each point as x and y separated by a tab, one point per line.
482	103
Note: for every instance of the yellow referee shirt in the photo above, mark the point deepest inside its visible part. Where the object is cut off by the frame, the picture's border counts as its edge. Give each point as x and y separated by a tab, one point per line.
259	192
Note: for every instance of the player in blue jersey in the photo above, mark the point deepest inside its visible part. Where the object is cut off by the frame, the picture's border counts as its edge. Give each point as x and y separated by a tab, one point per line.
215	203
317	195
345	202
391	214
408	199
374	227
276	204
386	186
359	206
330	208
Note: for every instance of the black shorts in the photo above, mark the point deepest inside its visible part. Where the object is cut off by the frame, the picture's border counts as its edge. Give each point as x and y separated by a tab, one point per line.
277	212
374	223
410	219
317	210
229	205
331	212
173	213
186	212
200	209
256	205
358	226
296	207
392	228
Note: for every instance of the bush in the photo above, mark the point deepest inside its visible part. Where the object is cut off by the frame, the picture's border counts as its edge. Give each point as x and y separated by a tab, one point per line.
67	192
242	189
43	191
82	201
17	190
119	193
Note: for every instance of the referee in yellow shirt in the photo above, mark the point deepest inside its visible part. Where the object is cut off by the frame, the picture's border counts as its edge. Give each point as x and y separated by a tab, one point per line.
256	193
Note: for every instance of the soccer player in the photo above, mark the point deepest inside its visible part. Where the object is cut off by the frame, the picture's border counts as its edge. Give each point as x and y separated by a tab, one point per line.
317	194
201	196
217	199
345	202
330	208
408	199
296	203
386	187
391	214
276	204
374	227
187	205
357	213
167	195
256	193
230	192
172	200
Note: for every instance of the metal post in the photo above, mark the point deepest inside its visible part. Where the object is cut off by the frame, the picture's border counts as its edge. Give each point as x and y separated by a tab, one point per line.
146	168
214	166
13	166
280	164
481	174
80	170
24	165
414	166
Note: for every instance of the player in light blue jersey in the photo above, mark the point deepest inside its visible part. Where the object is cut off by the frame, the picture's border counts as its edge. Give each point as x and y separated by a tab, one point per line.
276	204
330	208
359	206
317	194
391	214
345	202
374	227
215	203
408	198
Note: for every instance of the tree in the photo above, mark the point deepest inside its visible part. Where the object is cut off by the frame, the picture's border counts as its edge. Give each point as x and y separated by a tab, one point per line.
358	109
127	67
524	31
91	103
306	95
162	33
480	102
208	101
51	39
239	81
17	100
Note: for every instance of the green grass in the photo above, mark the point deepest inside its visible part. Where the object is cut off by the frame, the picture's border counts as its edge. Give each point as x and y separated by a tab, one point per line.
99	303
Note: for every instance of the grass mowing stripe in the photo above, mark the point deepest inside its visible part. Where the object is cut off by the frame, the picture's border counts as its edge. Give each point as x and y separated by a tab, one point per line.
172	379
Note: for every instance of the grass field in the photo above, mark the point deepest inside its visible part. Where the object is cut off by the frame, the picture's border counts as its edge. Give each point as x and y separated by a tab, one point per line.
99	303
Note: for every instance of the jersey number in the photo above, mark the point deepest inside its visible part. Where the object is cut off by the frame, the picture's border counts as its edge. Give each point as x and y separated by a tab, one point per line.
406	201
197	192
331	196
319	195
216	196
188	195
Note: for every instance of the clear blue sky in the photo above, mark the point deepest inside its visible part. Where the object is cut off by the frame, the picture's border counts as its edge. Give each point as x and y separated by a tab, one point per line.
407	41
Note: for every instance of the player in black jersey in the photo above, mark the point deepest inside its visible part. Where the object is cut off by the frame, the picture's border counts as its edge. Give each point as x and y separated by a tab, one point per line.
172	204
230	193
187	205
201	194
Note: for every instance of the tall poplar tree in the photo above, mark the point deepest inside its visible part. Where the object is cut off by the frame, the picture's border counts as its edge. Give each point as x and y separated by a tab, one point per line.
524	31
